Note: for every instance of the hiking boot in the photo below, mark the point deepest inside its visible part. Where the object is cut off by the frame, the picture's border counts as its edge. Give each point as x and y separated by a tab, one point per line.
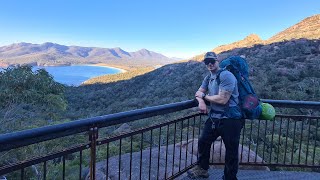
198	172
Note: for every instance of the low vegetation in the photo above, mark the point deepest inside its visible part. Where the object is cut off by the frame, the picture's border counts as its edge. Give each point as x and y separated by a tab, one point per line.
118	77
27	98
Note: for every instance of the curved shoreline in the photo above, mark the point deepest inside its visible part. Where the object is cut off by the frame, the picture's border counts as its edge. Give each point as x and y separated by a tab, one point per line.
108	66
122	70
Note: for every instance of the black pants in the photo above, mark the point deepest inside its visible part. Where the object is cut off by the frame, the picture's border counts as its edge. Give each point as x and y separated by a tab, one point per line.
229	130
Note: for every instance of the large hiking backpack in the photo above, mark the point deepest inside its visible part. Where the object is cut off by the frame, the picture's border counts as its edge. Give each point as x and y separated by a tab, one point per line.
248	100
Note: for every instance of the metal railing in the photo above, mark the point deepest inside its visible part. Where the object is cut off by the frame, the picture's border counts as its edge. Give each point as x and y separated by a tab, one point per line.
163	150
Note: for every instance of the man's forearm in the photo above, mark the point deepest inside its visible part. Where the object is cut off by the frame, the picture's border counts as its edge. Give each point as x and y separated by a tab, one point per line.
215	99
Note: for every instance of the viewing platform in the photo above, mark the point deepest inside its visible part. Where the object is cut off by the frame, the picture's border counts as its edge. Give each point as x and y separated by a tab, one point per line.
160	142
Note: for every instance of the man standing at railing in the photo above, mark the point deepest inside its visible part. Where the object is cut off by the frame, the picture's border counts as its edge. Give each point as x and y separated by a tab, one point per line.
221	91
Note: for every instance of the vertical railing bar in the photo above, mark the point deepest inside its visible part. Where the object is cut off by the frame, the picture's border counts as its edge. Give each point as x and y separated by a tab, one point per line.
255	158
141	147
193	127
265	138
181	128
307	153
280	127
119	161
187	143
285	147
150	153
220	157
243	133
200	119
315	142
300	146
130	168
293	139
63	167
22	173
212	156
45	170
272	133
93	136
174	147
159	144
167	144
250	139
107	161
80	164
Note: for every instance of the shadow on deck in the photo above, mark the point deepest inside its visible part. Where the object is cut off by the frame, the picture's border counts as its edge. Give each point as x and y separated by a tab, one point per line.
216	174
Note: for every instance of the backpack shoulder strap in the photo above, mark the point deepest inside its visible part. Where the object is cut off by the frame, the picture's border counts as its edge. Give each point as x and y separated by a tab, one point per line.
218	75
207	79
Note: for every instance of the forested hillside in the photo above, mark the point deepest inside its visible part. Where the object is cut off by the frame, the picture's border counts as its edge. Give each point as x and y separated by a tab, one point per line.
284	70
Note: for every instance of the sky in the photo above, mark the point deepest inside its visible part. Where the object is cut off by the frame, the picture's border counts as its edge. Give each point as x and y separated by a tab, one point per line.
175	28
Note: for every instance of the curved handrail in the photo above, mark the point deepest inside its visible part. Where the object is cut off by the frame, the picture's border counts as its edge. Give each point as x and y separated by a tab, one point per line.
31	136
293	104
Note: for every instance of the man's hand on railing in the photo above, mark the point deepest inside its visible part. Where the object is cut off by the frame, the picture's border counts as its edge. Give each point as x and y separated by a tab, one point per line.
203	107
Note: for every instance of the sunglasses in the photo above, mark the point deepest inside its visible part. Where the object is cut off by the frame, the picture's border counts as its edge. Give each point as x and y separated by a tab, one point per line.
208	61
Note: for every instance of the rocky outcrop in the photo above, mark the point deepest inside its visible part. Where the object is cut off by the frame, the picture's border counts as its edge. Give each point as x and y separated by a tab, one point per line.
124	128
171	159
249	41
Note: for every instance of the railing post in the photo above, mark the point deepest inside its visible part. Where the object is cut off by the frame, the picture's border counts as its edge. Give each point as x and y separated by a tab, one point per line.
93	136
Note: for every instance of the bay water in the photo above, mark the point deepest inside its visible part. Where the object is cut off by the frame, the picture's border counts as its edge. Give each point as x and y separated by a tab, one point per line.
74	75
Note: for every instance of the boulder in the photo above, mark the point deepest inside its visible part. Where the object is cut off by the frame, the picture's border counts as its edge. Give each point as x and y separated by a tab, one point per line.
218	152
165	161
169	156
124	128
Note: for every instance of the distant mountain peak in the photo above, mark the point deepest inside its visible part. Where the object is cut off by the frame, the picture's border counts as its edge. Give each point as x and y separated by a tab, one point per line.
144	50
48	43
21	44
118	48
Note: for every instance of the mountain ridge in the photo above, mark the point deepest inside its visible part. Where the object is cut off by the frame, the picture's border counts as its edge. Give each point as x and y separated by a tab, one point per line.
49	53
308	28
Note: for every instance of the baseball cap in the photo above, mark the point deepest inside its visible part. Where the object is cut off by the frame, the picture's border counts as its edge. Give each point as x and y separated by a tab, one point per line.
210	55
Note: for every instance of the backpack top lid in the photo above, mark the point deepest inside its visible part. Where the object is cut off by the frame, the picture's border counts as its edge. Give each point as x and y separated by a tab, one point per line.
236	63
